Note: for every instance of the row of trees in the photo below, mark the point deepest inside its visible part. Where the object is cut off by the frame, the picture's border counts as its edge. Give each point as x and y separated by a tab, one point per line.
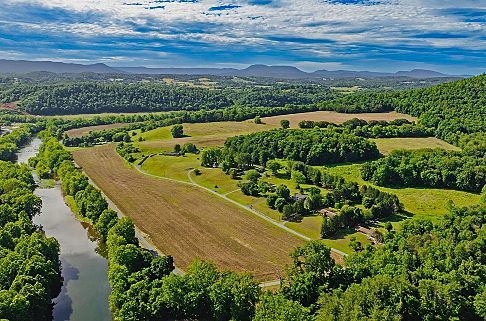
126	151
435	168
375	128
313	147
53	161
30	275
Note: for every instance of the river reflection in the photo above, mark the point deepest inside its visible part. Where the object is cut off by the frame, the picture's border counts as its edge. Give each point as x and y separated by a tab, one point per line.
85	290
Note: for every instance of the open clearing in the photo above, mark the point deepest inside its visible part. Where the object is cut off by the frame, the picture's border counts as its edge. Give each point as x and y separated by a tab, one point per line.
333	117
187	222
386	145
79	132
425	202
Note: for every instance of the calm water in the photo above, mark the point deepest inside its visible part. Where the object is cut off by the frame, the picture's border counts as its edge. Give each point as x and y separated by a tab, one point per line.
84	295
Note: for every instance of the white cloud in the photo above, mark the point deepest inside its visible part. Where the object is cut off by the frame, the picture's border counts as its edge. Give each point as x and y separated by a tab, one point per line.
298	24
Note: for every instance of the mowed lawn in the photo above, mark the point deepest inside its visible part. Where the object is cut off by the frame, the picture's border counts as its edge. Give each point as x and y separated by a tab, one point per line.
79	132
333	117
426	202
186	222
386	145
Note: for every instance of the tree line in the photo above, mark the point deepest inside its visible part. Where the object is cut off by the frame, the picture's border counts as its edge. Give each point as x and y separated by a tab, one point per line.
455	110
375	128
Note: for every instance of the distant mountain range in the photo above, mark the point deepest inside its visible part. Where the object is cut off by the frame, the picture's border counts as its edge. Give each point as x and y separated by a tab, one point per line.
281	72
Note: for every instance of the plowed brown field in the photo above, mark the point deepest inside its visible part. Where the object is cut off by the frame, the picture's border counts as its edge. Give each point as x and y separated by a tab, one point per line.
186	222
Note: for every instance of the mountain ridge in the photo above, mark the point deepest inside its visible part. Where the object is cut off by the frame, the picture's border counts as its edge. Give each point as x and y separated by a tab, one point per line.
256	70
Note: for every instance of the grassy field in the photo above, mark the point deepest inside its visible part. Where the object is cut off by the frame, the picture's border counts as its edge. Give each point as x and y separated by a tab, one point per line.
333	117
79	132
425	202
171	166
386	145
186	222
200	134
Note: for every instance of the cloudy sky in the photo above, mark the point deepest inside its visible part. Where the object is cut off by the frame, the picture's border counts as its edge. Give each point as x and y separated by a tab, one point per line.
382	35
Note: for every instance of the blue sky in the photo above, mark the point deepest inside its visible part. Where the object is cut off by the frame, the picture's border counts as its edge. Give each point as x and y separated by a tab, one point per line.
381	35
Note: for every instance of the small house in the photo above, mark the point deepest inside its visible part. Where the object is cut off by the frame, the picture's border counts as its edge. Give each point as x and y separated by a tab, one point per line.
327	212
299	197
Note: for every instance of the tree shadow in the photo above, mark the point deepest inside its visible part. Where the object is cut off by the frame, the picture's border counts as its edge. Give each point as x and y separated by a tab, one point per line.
63	304
341	234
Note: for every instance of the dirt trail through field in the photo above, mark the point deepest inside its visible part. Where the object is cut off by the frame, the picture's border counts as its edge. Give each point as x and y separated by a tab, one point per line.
186	222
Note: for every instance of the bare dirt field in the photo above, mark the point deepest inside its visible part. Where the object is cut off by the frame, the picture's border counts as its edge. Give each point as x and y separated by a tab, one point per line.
79	132
333	117
186	222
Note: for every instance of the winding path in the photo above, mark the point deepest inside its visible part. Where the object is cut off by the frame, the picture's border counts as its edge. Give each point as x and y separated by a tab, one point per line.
260	215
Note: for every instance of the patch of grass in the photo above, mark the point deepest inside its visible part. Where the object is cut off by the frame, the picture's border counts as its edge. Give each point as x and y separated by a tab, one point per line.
158	133
47	183
200	134
171	166
386	145
424	202
342	242
72	149
309	226
212	177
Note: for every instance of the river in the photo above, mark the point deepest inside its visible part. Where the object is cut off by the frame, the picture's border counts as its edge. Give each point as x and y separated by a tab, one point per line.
85	290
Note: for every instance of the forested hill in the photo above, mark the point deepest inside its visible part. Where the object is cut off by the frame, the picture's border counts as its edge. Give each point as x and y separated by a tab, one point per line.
98	97
454	108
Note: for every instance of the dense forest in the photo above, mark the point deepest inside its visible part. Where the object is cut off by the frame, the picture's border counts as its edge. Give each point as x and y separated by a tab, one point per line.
97	97
44	93
313	147
30	275
434	168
